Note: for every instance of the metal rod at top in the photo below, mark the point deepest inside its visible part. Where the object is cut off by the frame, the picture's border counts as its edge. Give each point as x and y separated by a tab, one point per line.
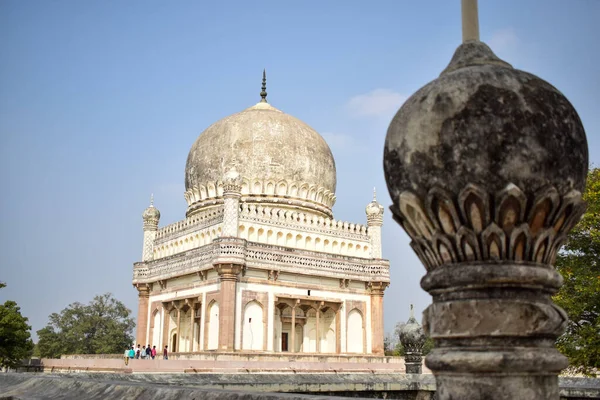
470	20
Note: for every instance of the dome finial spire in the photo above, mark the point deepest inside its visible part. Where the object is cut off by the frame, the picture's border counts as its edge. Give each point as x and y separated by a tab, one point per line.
152	200
374	194
470	21
263	93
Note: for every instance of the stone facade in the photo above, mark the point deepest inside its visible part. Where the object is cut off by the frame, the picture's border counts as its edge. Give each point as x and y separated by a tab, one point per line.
259	264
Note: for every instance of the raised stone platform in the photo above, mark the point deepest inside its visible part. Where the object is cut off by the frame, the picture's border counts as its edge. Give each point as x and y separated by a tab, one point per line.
242	386
228	363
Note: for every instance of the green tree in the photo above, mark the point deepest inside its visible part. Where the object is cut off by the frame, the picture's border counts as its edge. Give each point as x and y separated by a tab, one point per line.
104	326
15	339
579	264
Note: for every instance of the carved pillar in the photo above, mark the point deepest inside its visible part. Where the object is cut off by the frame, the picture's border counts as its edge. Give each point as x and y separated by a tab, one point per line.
377	331
166	322
229	276
318	338
293	334
191	344
471	166
142	319
338	333
178	336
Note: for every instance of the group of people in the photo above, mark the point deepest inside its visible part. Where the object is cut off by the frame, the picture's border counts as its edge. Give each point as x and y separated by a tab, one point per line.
145	353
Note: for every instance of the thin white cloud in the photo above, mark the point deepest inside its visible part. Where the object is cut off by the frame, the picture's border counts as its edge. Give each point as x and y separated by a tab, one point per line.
504	40
339	141
376	103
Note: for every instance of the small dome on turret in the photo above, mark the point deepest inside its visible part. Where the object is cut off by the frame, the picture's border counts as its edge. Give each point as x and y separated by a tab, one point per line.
151	213
374	208
232	177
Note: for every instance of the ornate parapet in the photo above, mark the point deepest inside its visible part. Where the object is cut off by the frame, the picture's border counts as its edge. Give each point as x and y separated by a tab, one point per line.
229	251
297	194
188	262
315	263
262	256
194	223
291	219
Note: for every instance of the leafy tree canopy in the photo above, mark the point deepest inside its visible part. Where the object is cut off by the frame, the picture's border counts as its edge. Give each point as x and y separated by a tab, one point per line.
579	264
15	339
104	326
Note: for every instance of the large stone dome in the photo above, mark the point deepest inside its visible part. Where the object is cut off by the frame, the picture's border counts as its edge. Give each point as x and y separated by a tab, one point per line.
279	158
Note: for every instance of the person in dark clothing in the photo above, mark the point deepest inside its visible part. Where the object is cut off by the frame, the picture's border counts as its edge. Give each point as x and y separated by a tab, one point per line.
165	353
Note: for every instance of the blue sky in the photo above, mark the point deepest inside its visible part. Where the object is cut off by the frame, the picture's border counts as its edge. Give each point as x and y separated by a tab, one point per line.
100	102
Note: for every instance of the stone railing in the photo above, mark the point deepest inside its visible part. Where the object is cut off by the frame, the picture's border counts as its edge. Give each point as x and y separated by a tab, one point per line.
193	223
178	264
313	263
302	221
262	256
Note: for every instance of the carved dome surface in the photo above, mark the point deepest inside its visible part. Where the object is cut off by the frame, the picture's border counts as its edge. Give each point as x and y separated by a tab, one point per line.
483	122
151	213
279	158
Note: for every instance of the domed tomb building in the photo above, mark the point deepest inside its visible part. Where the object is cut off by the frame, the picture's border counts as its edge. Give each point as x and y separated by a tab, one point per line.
259	263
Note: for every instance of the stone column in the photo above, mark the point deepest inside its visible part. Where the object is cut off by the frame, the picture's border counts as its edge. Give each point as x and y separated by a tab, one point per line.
377	331
293	334
178	331
191	345
142	318
488	207
338	332
166	322
228	276
318	338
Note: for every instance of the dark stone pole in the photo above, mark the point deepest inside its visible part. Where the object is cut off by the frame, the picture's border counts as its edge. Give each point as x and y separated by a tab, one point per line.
485	166
413	339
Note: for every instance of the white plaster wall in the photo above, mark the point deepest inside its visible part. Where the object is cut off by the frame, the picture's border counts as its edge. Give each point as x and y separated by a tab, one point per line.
355	332
299	238
343	330
253	327
277	329
157	330
270	320
281	290
202	320
172	319
213	327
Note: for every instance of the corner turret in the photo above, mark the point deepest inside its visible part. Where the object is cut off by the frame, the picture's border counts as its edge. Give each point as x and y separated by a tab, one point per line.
374	213
151	216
